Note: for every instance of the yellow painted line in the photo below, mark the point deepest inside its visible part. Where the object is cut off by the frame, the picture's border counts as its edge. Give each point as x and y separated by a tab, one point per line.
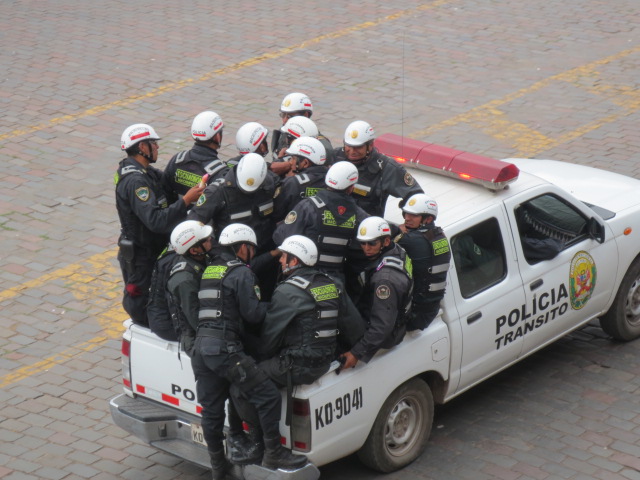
528	142
99	259
111	320
173	86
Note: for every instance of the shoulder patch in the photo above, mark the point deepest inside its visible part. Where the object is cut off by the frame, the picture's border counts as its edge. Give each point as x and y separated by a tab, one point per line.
409	180
201	200
291	217
142	193
257	290
383	292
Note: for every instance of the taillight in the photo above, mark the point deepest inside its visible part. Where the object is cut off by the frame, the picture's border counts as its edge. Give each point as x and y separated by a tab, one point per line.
126	363
301	425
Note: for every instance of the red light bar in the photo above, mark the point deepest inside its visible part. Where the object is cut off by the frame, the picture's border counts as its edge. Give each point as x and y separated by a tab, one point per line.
491	173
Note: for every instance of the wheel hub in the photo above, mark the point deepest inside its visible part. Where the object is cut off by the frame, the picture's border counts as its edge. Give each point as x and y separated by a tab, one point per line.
632	306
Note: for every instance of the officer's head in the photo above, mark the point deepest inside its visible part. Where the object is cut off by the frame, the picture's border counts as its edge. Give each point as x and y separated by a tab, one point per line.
299	126
306	151
206	129
418	210
294	105
251	172
297	251
140	140
374	235
252	138
191	238
240	239
342	176
358	141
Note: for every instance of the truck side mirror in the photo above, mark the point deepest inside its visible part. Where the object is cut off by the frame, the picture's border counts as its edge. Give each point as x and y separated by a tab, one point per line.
595	230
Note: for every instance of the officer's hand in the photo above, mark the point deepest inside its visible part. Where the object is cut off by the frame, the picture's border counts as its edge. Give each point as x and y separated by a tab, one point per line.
403	228
192	195
280	168
350	360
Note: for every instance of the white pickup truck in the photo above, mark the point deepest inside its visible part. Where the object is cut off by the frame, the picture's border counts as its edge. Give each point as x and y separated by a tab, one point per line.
539	248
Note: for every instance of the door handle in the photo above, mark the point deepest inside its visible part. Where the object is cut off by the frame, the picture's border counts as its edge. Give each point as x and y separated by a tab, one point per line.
535	284
474	317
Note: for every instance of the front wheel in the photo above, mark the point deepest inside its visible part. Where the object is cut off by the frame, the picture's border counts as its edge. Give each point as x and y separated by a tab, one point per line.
401	429
622	321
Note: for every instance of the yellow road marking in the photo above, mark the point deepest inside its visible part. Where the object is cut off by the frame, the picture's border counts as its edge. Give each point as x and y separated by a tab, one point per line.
487	116
114	316
173	86
529	142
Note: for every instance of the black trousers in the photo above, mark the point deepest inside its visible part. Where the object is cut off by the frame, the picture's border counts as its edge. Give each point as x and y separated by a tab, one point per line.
137	280
217	371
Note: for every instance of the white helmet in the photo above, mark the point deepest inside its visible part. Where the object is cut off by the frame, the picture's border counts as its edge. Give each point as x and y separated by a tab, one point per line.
309	148
250	136
372	228
187	234
237	233
421	204
341	175
301	247
358	133
206	125
296	102
137	133
251	172
300	127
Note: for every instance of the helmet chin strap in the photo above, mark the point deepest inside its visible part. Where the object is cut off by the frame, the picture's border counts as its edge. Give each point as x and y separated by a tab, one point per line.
287	270
147	156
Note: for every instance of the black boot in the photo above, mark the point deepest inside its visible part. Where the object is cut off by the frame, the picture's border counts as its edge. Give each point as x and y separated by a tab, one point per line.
219	464
245	449
276	456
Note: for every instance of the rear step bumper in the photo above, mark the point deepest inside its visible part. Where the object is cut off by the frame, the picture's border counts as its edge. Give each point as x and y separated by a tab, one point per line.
169	429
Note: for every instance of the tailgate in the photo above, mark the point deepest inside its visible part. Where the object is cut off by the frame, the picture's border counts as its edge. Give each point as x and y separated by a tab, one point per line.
161	372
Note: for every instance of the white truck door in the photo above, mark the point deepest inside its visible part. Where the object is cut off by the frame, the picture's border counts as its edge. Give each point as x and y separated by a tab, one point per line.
567	275
486	286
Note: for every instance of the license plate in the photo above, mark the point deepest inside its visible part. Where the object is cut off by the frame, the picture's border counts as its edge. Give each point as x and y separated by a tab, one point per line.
197	434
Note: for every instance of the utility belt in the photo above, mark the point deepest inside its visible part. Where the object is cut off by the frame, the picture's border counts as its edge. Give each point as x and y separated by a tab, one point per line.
301	360
218	333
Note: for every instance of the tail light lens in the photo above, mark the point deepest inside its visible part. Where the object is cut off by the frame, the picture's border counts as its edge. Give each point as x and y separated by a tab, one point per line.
301	425
126	365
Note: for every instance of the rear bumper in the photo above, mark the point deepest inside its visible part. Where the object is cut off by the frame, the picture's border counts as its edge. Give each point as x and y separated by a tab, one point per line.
165	428
169	429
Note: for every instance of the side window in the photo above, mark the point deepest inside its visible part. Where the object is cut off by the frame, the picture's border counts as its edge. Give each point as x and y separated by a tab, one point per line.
547	225
478	254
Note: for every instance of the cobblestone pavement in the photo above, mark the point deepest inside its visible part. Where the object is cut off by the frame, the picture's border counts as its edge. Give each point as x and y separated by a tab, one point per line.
543	78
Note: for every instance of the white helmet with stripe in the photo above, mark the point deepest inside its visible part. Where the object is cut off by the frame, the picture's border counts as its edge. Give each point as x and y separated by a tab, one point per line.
206	125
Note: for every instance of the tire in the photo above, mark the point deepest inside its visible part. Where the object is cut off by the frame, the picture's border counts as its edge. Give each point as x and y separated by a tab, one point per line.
402	428
622	321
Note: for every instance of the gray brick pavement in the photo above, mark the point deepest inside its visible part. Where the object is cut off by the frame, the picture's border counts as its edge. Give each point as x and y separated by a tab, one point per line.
539	78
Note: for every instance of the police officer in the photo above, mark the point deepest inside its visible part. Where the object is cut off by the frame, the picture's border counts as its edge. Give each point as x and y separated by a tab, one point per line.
428	248
229	298
308	156
186	169
244	196
191	241
386	296
379	175
329	218
146	217
250	138
300	330
294	105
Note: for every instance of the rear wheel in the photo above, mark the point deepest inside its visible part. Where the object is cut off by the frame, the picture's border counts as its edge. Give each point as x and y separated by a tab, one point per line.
401	429
622	321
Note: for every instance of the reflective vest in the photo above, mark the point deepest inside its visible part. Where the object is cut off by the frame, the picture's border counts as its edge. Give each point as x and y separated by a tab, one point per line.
252	210
312	335
334	236
430	254
217	311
